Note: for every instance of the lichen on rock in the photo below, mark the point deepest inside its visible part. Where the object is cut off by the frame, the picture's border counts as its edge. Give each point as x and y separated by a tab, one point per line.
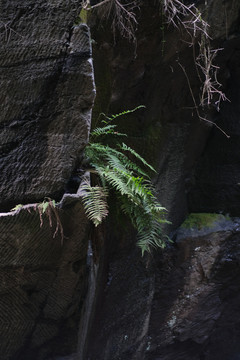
200	220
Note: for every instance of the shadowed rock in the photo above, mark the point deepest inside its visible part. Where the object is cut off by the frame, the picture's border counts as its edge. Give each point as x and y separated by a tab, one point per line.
47	93
43	281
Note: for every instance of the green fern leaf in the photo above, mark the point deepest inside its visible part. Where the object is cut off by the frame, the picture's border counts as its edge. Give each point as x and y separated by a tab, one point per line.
131	183
95	204
139	157
125	112
151	237
106	130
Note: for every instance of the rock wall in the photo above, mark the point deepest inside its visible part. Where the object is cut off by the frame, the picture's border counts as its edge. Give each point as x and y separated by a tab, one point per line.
47	93
215	184
182	303
57	302
43	282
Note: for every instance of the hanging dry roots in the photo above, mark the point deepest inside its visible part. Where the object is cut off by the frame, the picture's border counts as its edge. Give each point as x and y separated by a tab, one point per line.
48	207
211	93
176	11
190	18
122	16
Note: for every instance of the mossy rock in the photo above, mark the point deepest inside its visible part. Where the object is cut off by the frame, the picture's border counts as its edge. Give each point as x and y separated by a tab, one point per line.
202	220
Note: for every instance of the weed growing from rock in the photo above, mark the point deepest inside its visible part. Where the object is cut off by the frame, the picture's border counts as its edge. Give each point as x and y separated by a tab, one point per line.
121	169
46	208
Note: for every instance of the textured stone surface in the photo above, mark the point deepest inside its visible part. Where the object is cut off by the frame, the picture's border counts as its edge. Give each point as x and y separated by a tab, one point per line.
168	132
42	282
181	304
222	17
47	92
215	184
184	305
123	312
194	312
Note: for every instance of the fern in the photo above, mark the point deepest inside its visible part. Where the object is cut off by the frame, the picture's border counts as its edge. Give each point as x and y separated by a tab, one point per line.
100	154
133	152
95	204
116	171
106	130
125	112
147	218
117	181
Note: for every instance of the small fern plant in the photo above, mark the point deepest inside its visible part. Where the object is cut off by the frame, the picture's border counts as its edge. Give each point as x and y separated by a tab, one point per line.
120	168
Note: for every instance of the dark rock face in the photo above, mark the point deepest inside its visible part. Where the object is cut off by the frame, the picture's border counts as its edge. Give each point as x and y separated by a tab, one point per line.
168	132
215	185
43	282
196	304
182	303
47	92
179	304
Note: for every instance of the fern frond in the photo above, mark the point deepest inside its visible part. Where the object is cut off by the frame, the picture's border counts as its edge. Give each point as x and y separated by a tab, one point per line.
124	182
139	157
125	112
94	202
116	162
105	130
98	153
139	188
135	168
151	237
131	183
99	150
117	181
121	161
150	233
148	224
136	194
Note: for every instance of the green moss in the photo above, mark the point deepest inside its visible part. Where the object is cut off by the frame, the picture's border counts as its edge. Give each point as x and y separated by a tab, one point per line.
200	220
